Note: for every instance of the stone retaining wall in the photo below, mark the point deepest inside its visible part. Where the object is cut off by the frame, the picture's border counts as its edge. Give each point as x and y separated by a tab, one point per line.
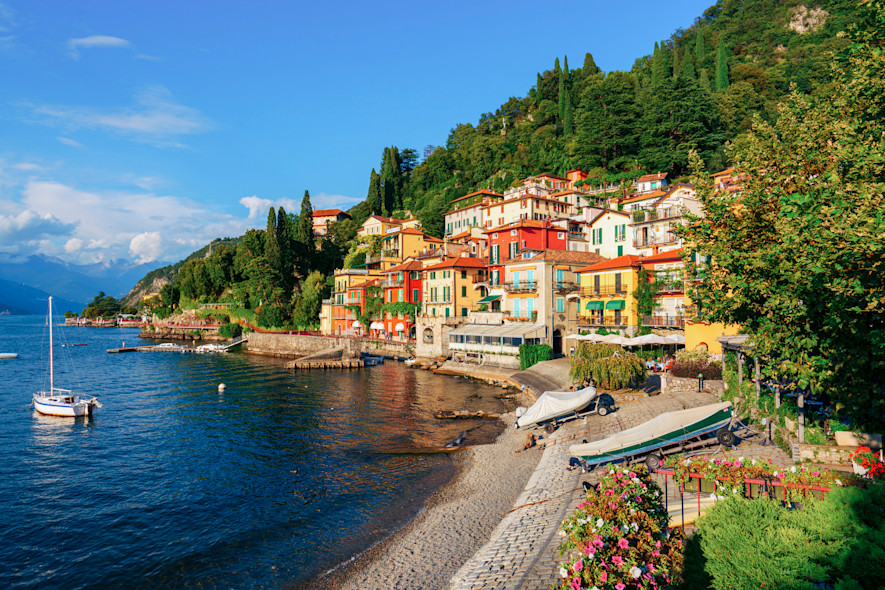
828	454
168	333
298	345
671	384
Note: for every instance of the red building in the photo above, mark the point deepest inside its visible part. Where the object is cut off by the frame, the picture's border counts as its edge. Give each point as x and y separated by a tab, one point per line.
505	241
356	297
401	284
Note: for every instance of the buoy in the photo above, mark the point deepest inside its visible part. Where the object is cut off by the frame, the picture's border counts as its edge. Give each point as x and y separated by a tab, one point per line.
221	387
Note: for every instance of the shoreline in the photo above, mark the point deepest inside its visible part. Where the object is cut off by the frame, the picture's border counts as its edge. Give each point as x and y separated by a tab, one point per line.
455	522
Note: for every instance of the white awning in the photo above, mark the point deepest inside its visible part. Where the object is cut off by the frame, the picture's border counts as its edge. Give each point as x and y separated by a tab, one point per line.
376	326
511	331
356	325
399	327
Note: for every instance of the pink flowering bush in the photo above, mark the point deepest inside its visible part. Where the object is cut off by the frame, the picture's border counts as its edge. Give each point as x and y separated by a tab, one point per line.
618	537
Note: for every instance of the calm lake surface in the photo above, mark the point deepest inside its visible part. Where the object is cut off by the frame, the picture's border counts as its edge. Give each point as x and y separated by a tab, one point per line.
175	485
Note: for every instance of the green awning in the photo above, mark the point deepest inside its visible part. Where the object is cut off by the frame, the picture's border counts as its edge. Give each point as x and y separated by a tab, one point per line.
615	305
597	305
488	299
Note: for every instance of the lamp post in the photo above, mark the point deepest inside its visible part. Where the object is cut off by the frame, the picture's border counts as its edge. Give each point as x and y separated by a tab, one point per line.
700	382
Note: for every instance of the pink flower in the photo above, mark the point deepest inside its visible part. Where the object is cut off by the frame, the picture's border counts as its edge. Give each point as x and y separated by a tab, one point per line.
737	463
781	476
651	567
576	583
655	553
579	565
617	560
632	474
609	492
769	461
588	550
815	473
623	543
603	577
658	544
598	543
619	586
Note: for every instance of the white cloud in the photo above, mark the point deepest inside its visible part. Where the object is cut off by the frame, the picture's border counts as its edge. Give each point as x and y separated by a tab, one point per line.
70	142
256	206
73	245
102	41
325	201
29	226
154	118
27	166
146	247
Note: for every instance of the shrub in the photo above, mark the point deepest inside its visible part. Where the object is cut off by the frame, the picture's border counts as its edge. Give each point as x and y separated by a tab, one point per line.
230	330
691	369
838	541
272	316
618	536
530	354
609	365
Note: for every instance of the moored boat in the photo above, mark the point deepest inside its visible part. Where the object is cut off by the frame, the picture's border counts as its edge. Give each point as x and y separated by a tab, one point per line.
57	401
8	355
667	429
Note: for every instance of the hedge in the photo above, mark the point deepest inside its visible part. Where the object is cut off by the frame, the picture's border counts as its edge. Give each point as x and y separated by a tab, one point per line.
530	354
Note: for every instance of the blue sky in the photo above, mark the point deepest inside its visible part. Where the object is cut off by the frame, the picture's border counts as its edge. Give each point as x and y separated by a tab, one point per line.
141	131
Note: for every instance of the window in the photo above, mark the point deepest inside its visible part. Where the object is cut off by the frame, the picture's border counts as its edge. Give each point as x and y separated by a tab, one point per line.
516	309
560	235
464	311
512	250
432	275
414	295
447	312
463	291
560	304
620	250
400	294
463	274
512	232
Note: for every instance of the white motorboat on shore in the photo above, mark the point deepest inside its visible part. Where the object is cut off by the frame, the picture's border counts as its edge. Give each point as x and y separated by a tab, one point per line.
57	401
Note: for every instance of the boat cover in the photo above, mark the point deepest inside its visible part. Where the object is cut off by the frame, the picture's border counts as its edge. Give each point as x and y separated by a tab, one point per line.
553	404
666	428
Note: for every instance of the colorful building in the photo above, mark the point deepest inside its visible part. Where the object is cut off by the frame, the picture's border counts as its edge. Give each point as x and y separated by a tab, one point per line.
341	317
401	284
525	207
451	287
654	222
606	296
467	212
322	217
651	182
376	225
666	275
507	240
607	234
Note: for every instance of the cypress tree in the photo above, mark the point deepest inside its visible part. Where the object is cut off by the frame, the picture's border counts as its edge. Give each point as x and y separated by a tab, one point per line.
721	67
556	69
688	71
391	179
674	67
561	97
568	114
565	68
661	64
272	253
704	81
375	197
699	50
287	254
654	64
304	231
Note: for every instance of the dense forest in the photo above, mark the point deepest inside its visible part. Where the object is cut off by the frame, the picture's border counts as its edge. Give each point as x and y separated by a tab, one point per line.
697	90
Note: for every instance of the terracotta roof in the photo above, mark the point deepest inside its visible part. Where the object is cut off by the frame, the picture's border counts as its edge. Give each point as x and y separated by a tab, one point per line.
545	175
432	240
568	191
404	267
412	231
463	234
524	196
458	262
551	255
387	219
661	256
625	261
328	212
604	211
482	192
647	177
724	172
522	223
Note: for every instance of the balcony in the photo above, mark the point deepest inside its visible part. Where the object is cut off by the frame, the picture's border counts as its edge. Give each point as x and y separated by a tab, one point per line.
663	240
663	287
390	253
523	317
520	287
664	321
595	320
392	283
604	291
648	215
565	286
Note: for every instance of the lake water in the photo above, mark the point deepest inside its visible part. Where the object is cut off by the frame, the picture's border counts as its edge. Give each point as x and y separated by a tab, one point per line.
173	484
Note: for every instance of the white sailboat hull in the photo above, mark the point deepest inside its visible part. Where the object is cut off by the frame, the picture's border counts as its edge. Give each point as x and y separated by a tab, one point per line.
62	405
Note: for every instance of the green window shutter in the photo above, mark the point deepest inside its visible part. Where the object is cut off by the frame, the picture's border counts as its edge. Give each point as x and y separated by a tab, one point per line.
620	250
463	291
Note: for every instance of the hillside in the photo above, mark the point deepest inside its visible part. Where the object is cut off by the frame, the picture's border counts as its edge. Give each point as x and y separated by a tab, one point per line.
153	281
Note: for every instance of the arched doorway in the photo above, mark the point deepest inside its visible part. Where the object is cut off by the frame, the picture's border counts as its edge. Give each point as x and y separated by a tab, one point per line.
557	342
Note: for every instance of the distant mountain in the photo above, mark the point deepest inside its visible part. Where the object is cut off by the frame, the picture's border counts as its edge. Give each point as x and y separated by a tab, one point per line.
22	299
77	283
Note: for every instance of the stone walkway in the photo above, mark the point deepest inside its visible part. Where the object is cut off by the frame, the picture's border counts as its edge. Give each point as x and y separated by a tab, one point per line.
522	552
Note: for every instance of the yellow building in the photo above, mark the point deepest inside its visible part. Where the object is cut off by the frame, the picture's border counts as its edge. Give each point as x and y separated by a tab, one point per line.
405	243
447	288
703	334
377	225
606	296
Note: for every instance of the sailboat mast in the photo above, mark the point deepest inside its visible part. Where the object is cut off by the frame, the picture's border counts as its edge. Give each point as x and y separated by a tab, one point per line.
51	373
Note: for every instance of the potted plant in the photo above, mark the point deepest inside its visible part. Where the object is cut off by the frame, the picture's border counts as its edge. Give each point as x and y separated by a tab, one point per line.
867	463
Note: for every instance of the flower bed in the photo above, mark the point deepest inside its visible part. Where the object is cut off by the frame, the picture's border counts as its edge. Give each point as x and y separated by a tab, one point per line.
618	537
730	474
866	459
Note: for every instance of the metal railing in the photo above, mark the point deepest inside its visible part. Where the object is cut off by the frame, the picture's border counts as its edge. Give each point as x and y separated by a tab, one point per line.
669	287
520	287
565	286
601	321
667	238
603	290
669	321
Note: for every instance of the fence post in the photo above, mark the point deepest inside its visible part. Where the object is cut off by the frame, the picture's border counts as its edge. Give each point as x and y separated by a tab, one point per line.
758	380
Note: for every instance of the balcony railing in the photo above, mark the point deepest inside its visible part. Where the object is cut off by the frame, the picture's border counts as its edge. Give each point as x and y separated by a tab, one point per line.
669	287
520	287
523	317
391	253
601	321
392	283
565	286
666	238
604	290
664	321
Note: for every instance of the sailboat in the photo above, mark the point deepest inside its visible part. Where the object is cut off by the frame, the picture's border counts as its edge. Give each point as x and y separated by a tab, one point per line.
57	401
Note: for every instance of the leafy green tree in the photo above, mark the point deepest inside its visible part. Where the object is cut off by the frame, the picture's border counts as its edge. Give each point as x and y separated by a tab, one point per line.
431	216
607	123
219	267
660	64
700	50
169	295
310	300
799	249
721	66
609	365
102	306
590	68
193	280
